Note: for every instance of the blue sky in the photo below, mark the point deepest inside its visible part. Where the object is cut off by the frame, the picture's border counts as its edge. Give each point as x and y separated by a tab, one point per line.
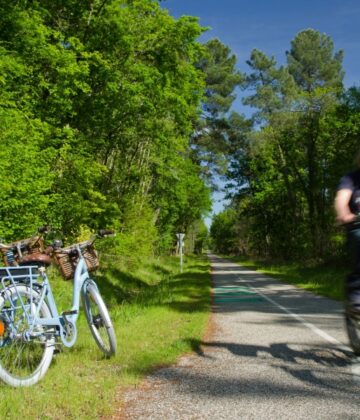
270	25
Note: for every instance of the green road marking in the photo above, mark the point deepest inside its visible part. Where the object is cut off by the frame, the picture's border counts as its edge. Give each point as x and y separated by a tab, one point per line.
235	294
224	290
233	288
252	299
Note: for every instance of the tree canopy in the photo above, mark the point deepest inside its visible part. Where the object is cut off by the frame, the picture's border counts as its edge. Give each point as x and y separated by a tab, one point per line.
98	103
286	161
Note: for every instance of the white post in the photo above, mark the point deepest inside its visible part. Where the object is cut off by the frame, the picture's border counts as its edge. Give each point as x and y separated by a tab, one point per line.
180	238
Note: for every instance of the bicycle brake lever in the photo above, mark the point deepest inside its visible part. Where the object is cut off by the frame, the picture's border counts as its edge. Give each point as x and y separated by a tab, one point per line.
43	229
103	233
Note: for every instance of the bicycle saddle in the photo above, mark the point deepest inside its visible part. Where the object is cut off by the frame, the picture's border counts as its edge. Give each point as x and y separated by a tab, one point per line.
36	258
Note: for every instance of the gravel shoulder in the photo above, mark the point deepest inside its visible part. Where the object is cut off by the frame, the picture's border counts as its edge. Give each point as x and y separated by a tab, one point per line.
273	352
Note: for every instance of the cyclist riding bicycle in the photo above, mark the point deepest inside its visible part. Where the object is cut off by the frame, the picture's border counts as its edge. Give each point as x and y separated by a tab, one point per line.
347	207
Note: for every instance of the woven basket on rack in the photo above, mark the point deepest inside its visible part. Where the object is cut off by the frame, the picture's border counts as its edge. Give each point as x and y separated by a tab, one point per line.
67	263
27	246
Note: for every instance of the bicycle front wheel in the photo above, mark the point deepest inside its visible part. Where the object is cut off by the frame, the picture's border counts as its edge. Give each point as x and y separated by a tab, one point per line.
98	319
25	353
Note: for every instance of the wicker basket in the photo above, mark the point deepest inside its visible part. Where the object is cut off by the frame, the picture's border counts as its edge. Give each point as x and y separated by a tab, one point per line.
67	263
27	246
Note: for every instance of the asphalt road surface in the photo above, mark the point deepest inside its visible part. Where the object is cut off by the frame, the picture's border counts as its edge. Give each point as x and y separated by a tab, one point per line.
275	352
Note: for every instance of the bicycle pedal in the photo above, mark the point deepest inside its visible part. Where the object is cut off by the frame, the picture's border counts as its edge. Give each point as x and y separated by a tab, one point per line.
66	313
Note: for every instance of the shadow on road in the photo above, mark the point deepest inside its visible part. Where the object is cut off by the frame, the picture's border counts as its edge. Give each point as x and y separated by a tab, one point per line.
289	360
325	356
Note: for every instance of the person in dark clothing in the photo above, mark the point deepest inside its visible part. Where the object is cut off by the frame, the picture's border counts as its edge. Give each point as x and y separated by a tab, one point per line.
347	207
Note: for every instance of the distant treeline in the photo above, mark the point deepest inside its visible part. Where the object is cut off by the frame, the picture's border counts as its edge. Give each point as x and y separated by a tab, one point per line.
286	161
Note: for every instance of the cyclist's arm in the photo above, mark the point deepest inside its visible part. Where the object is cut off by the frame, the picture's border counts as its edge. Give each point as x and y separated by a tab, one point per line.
343	212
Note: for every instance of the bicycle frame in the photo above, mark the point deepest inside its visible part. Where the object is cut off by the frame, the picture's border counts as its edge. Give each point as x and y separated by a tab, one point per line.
65	323
29	318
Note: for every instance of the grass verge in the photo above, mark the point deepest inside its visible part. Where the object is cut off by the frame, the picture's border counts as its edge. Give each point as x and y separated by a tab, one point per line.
157	313
325	280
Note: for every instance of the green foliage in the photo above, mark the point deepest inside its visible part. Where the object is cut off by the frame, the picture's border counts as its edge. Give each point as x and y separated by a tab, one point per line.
224	235
25	174
285	168
313	64
197	238
97	105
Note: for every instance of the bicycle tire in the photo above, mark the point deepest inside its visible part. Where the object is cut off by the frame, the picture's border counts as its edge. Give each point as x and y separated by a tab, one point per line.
98	319
23	362
353	331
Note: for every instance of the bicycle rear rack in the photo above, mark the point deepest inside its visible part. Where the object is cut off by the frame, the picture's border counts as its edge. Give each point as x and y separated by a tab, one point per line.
12	275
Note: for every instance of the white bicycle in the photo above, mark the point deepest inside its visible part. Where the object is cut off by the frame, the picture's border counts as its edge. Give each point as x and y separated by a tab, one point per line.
30	323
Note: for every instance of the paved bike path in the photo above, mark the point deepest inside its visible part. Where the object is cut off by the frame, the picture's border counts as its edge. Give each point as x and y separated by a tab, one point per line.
276	352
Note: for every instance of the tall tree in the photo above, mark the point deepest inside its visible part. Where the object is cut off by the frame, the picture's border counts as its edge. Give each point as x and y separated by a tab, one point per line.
288	154
211	136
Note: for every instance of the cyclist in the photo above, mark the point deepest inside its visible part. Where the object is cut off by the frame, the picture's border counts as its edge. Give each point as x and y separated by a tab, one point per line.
347	207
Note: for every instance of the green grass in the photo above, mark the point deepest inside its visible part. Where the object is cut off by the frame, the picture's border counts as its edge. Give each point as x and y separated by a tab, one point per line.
322	279
157	313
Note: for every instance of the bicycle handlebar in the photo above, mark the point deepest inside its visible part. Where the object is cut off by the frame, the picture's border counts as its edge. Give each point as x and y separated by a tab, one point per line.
355	222
43	229
23	243
102	233
56	245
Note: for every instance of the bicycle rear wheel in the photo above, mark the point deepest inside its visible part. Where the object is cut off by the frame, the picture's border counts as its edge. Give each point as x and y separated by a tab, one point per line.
24	357
98	319
353	331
